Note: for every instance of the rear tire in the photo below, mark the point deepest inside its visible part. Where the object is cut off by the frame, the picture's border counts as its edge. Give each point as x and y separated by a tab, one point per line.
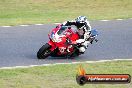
44	51
75	53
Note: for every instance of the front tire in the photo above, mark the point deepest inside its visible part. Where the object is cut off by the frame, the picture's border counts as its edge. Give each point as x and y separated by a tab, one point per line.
44	51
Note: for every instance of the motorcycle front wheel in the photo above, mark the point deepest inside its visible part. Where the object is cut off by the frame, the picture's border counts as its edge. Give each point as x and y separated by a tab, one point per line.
44	51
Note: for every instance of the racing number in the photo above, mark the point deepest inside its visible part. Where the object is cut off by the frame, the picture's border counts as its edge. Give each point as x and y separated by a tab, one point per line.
68	49
62	49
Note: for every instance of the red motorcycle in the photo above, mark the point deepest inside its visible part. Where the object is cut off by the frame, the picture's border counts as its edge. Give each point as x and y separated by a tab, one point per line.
62	43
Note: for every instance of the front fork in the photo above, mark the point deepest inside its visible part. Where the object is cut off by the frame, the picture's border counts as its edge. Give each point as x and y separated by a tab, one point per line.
52	44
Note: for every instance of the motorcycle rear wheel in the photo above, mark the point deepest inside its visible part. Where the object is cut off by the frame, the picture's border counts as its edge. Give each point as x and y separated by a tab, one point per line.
44	51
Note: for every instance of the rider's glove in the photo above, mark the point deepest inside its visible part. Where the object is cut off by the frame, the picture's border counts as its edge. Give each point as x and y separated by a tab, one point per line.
64	23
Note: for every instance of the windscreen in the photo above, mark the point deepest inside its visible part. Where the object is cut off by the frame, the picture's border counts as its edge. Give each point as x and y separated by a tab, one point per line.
62	29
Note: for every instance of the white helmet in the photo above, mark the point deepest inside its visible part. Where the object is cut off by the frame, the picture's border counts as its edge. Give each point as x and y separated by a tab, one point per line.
81	21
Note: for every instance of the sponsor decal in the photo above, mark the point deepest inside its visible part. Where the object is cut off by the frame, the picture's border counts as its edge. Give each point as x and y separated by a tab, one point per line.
83	78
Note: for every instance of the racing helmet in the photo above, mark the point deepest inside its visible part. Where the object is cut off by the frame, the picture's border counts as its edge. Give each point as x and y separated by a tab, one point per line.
81	22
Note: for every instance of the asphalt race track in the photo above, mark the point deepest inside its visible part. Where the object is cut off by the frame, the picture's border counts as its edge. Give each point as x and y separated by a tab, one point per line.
19	44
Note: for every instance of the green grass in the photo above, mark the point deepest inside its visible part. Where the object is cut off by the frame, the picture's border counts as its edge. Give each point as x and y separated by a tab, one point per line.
15	12
62	76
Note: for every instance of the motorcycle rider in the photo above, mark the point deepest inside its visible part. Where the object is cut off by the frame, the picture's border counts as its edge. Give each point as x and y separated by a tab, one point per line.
83	29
